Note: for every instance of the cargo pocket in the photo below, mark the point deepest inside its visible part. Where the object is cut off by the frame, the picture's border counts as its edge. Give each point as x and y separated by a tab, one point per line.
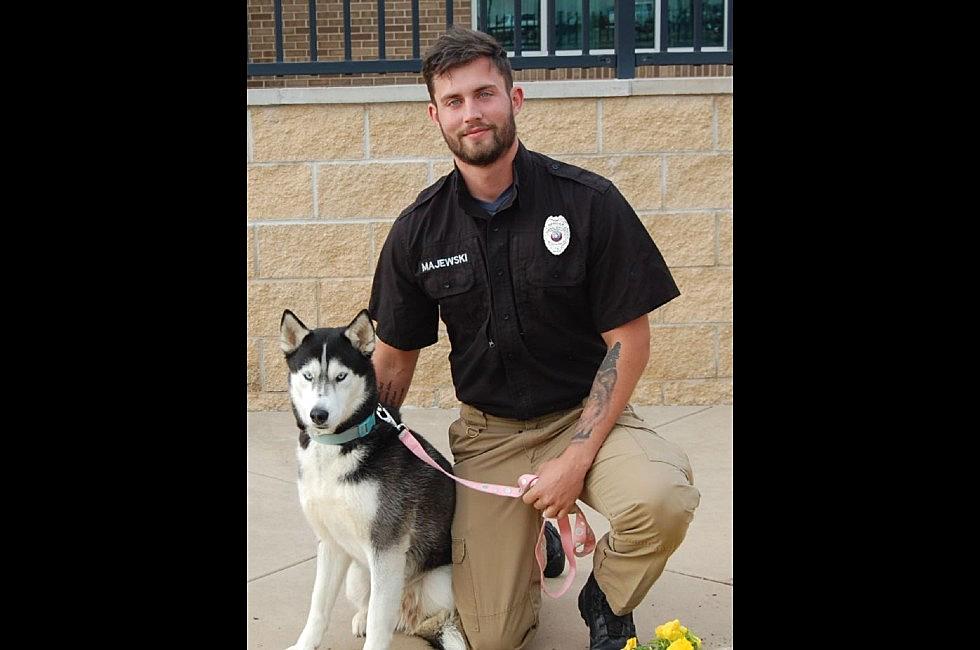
464	595
657	448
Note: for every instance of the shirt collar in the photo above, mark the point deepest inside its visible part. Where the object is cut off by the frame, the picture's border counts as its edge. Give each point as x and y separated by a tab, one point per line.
521	169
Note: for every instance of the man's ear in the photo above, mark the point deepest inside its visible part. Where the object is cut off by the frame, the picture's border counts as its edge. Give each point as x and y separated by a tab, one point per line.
360	332
292	331
517	98
433	113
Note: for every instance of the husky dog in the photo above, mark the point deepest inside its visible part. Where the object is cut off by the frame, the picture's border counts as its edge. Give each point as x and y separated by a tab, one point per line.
382	516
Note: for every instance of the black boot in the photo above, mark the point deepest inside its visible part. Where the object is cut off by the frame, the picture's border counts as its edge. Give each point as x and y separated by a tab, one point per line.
554	553
606	630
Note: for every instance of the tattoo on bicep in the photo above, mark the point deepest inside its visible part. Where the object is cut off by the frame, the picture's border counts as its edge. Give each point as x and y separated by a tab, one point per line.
599	398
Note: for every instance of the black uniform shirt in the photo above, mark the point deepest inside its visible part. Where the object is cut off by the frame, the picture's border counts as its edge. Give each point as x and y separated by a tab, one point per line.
524	316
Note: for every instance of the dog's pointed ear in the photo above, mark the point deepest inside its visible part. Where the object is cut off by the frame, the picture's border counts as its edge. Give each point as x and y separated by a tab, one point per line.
292	331
361	333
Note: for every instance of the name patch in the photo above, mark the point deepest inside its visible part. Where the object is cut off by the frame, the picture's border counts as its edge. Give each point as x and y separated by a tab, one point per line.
428	265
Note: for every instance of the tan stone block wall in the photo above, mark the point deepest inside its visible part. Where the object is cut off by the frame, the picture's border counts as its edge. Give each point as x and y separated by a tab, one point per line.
307	132
699	391
681	352
657	123
706	296
726	246
250	253
275	370
699	181
369	190
725	348
684	239
253	377
315	250
343	299
403	129
725	122
267	300
559	125
340	175
280	192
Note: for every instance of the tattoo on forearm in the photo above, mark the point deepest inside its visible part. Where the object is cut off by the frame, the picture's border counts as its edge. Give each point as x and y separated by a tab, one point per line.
390	395
599	398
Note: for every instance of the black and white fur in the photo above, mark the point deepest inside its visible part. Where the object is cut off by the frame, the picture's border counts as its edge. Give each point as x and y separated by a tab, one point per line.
381	515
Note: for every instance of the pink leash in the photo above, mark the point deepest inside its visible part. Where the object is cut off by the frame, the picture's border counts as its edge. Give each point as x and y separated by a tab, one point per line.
581	544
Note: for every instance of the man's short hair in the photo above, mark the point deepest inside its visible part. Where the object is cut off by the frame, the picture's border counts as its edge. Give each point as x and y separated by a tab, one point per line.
458	46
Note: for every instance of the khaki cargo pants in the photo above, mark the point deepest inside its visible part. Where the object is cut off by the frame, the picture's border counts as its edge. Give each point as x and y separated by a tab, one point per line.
642	483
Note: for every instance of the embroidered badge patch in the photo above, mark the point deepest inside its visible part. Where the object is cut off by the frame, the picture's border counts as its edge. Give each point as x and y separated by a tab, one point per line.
556	234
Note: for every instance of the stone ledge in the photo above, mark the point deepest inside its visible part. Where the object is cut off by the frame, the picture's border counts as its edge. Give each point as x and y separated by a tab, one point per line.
532	90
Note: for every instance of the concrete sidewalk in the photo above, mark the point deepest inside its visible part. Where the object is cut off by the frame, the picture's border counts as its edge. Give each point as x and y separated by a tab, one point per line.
696	586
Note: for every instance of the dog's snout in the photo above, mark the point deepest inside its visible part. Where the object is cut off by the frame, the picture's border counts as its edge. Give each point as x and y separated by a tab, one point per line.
319	416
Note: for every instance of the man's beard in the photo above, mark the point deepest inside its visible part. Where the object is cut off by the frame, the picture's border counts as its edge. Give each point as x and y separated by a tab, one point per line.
485	153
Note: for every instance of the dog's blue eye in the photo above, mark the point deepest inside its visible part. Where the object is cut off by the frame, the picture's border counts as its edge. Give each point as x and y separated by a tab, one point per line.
308	376
342	376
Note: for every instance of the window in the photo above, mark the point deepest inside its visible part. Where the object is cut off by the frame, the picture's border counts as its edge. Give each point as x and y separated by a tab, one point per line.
500	22
680	26
602	24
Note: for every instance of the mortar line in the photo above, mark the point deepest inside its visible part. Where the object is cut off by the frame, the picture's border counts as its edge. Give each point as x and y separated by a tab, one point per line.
663	181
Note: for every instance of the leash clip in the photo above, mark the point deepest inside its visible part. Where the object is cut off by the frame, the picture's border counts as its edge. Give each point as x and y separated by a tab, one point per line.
386	416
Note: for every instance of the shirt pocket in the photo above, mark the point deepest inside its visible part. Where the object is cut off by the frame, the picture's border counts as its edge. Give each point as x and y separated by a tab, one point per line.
550	288
457	286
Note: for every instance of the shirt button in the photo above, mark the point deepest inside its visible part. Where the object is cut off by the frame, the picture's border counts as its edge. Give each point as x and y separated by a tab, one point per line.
500	272
495	228
555	274
510	355
506	316
554	166
445	285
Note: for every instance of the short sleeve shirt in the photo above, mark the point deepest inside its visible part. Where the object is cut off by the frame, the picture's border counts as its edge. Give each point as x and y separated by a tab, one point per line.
525	294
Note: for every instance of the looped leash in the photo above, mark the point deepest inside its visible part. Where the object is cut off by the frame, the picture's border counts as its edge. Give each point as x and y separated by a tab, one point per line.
579	544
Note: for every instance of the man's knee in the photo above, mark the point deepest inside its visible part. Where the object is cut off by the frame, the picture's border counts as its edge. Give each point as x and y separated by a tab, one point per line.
510	630
661	518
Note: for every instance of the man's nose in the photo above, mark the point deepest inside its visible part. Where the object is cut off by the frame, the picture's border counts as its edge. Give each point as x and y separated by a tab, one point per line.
472	112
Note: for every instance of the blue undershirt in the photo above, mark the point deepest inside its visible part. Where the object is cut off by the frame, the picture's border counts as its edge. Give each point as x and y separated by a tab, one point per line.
494	205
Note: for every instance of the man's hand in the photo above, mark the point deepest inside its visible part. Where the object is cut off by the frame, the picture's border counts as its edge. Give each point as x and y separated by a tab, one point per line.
560	482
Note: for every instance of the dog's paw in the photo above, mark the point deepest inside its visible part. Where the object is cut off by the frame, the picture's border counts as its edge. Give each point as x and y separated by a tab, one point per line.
358	624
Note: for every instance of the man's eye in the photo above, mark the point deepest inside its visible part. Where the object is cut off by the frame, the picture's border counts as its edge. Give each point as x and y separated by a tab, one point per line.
454	102
342	376
308	376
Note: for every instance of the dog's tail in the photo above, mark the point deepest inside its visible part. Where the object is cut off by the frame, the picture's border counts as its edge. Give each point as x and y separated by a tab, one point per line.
448	637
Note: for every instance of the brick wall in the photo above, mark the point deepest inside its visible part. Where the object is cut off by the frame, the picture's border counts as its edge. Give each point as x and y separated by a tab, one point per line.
326	181
398	43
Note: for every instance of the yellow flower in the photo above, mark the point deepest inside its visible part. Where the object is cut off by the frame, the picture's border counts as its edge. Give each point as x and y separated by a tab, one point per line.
671	631
630	644
680	644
